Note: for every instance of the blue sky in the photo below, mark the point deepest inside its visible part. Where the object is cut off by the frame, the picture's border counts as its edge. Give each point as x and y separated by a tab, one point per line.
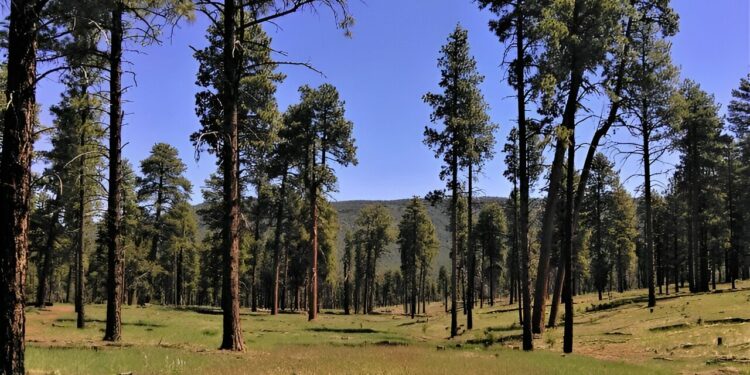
382	73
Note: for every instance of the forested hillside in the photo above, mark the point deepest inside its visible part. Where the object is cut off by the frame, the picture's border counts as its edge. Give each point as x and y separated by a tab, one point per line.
348	210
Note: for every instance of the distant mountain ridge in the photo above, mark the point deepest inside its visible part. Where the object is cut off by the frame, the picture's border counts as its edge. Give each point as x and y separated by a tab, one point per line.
439	214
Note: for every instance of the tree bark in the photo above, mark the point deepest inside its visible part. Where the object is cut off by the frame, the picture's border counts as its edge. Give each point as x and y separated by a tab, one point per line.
472	256
413	267
733	263
277	245
312	311
557	292
651	264
232	331
567	253
524	281
116	263
454	245
81	315
46	267
15	179
255	248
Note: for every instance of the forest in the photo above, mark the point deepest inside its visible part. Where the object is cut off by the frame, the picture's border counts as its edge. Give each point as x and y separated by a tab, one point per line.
109	265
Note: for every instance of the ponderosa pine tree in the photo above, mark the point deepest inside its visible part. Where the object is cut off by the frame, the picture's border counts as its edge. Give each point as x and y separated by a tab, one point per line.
231	19
738	110
443	285
458	81
320	135
480	143
533	160
161	187
180	229
418	245
124	20
258	118
579	50
649	104
347	263
15	176
592	29
738	116
279	168
622	228
76	156
138	270
594	205
517	20
375	232
697	138
491	235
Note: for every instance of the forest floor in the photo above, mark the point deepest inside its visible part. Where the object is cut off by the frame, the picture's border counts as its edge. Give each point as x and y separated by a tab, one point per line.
616	335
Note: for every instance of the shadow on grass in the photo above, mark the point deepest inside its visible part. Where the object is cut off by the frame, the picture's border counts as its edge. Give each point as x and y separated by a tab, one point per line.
489	340
342	330
418	321
511	327
670	327
139	323
499	311
727	321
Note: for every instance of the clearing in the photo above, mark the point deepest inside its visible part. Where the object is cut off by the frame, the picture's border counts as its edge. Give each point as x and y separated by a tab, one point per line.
617	335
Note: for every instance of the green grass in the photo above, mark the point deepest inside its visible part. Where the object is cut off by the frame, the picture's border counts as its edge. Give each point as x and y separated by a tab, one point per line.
679	336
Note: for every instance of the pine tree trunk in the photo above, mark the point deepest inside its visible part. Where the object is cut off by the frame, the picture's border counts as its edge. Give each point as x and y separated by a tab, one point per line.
277	245
454	246
542	278
154	254
524	282
180	277
472	256
557	292
651	259
567	253
732	261
230	300
347	292
256	249
81	315
46	253
675	250
413	268
15	178
116	262
312	311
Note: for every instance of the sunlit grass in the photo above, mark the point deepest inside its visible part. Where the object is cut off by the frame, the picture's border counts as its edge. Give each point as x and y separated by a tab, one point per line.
680	335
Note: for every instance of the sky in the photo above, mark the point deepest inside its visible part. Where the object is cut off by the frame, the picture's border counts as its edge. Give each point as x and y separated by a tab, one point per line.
381	72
